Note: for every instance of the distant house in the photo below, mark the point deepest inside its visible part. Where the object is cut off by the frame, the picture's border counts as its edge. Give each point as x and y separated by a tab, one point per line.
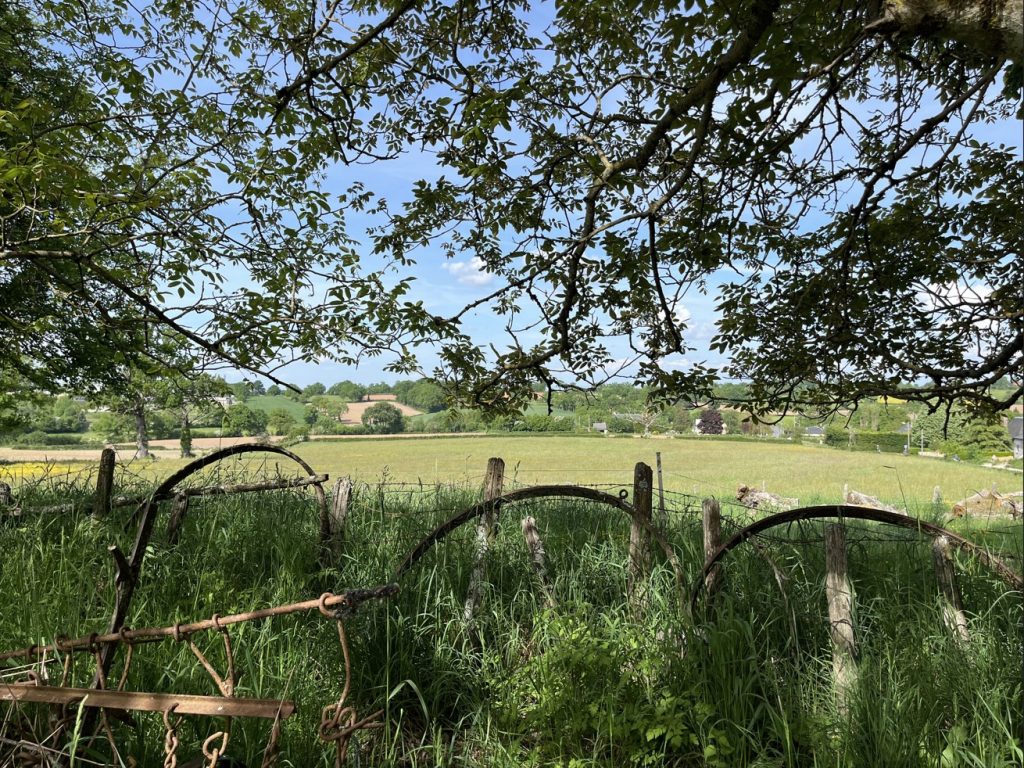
600	426
903	429
386	397
814	432
225	401
778	431
1016	429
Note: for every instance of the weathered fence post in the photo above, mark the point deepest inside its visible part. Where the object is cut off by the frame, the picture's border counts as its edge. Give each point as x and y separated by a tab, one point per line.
639	536
179	508
104	484
539	560
662	514
339	512
952	604
711	515
493	486
936	495
6	499
840	615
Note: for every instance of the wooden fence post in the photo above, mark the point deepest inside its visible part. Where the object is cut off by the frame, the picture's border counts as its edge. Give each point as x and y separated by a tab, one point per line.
493	486
639	537
711	515
952	604
840	616
539	560
6	499
179	508
662	514
936	495
104	484
339	512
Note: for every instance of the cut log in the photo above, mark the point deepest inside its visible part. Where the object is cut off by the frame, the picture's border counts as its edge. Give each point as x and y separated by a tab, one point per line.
858	499
986	502
763	501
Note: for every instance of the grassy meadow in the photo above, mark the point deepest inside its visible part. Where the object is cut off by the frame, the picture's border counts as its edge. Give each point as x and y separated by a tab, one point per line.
590	681
699	467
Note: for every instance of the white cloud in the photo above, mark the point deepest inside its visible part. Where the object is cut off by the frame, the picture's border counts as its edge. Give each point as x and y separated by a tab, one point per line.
470	272
675	361
683	315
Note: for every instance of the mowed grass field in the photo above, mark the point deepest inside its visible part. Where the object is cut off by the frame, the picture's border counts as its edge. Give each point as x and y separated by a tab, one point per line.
702	467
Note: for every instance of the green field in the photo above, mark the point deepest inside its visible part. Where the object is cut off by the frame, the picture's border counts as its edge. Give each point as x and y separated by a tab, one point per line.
701	467
694	466
271	403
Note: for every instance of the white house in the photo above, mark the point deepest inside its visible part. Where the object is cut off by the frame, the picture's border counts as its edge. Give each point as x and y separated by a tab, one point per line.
1016	429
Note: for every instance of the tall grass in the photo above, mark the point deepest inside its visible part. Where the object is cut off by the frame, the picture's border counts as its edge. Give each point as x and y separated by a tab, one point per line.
594	681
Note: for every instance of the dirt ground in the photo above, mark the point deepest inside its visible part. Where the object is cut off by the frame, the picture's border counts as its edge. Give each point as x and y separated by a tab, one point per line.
354	415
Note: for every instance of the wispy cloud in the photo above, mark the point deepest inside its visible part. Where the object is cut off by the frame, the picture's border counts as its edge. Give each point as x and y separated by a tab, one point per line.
472	272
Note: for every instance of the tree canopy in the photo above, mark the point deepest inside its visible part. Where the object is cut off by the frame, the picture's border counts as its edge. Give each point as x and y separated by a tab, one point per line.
832	173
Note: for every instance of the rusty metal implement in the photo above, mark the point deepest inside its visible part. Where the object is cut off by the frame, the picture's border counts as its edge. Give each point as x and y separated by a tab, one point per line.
183	704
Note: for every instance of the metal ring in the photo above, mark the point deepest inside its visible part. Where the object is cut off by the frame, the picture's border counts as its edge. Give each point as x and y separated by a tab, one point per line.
322	604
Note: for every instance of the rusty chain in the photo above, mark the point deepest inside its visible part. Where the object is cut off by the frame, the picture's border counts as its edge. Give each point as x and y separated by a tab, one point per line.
171	738
339	722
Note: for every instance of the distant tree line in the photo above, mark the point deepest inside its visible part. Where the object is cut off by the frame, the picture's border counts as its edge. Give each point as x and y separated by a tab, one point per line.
143	408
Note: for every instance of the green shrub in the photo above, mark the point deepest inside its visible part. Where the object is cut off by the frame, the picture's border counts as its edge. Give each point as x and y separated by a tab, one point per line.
885	442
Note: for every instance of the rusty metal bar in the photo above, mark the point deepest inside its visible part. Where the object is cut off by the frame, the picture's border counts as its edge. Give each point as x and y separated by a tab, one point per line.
349	599
183	704
223	490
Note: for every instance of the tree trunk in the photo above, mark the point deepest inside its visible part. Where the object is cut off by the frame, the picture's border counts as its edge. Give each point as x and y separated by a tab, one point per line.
186	436
141	436
991	27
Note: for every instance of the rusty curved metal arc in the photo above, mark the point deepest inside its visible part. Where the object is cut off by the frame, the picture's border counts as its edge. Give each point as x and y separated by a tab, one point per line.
476	510
841	511
148	509
164	489
538	492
